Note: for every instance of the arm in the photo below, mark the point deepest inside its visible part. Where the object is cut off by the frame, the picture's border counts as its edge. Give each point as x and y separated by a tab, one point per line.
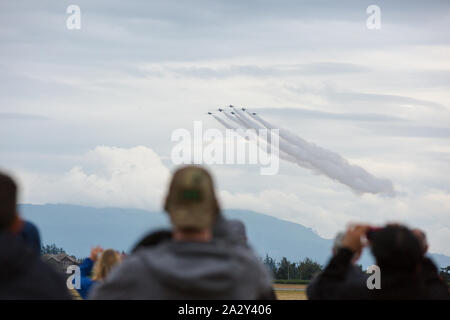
86	267
330	284
85	281
85	272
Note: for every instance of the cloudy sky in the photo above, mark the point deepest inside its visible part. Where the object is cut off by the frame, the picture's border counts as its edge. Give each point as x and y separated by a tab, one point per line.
86	115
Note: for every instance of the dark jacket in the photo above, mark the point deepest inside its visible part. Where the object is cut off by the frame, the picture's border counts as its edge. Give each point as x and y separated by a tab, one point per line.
394	284
224	237
188	270
354	276
24	276
435	286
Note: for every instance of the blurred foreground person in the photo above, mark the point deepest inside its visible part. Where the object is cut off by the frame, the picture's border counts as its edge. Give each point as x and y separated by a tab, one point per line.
192	264
238	232
23	230
434	284
22	273
398	254
231	230
96	268
354	275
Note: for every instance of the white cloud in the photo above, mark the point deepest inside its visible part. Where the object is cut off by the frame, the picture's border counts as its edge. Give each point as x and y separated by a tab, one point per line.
137	178
111	176
135	72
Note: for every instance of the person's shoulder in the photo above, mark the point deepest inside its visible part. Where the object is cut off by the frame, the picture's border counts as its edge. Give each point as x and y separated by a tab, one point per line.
246	251
254	265
153	239
133	261
36	278
123	279
28	225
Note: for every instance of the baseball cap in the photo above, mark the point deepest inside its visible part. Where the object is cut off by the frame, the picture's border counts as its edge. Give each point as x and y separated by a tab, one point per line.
191	202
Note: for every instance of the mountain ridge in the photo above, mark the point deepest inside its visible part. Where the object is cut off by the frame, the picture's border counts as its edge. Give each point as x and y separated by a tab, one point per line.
77	228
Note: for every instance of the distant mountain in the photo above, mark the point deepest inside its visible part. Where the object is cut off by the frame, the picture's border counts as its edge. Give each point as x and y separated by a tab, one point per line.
78	228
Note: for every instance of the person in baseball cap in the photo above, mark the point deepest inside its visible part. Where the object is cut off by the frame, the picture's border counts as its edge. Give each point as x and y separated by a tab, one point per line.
193	262
191	202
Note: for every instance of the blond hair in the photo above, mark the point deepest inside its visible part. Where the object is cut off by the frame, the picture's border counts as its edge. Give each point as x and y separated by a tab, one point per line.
105	263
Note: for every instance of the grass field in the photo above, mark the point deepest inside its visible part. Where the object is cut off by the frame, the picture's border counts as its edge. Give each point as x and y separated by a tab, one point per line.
290	291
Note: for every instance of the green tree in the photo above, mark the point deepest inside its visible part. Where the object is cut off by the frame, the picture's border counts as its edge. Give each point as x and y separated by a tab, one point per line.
308	268
283	269
445	274
271	265
51	249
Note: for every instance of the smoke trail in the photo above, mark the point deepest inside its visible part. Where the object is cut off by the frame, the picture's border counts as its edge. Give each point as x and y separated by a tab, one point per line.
224	123
251	124
229	125
286	150
236	120
330	163
263	145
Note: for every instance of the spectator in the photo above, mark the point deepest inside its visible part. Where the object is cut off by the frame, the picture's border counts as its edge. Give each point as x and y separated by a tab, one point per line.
22	274
354	275
230	230
24	230
29	234
96	268
237	230
436	287
192	264
398	253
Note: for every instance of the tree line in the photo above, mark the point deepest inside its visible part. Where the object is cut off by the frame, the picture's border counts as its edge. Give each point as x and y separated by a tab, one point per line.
306	269
54	249
281	270
287	270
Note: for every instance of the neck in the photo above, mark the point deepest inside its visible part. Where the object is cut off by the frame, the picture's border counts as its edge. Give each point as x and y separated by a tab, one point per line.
192	235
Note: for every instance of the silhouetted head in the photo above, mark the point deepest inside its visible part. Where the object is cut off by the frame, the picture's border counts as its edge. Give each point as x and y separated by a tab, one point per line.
396	249
8	201
421	235
191	202
237	229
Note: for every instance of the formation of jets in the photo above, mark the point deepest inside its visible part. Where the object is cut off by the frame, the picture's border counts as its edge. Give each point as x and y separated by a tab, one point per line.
232	112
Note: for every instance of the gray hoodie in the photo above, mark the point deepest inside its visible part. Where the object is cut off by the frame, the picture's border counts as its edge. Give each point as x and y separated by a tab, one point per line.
219	269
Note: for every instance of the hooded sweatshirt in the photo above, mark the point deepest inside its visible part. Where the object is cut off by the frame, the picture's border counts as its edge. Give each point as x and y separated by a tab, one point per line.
218	269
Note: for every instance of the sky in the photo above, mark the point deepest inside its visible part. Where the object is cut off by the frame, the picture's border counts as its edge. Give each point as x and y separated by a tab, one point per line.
86	116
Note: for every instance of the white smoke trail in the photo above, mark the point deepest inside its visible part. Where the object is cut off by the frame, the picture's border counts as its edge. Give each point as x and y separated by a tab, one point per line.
224	123
250	124
229	125
235	119
329	163
286	150
264	145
